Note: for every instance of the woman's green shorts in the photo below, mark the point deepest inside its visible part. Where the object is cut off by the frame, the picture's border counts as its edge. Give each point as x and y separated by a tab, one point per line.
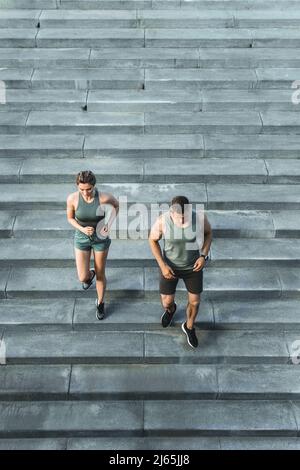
85	243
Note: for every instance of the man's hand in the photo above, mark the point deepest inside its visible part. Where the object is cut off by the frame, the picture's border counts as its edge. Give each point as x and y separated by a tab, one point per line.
200	262
168	272
88	231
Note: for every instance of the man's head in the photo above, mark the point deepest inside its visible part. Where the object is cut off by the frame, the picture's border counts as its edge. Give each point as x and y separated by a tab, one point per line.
180	207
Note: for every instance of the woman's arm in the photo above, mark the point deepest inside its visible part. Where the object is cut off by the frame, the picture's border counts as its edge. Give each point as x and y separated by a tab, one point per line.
110	200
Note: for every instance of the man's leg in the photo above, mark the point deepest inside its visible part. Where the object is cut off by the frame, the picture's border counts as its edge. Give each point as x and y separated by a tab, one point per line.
192	309
194	284
167	289
167	302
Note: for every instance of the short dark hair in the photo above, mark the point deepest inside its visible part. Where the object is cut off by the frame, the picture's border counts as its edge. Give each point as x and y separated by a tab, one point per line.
86	176
179	202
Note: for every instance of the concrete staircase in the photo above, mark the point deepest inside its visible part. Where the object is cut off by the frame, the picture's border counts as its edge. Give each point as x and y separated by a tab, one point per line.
158	97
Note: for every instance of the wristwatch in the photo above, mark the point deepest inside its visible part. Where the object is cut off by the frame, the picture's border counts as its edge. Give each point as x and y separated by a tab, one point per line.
204	256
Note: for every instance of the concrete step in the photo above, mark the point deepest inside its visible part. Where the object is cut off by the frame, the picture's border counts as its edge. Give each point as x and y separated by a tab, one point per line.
245	224
269	146
172	170
152	347
18	37
39	58
182	145
238	84
146	4
160	79
248	58
169	18
74	122
161	443
255	100
73	79
90	123
88	19
140	18
271	122
215	196
205	170
106	37
88	79
145	381
249	5
56	146
23	4
193	18
161	418
267	122
33	444
153	443
144	101
19	18
150	37
137	282
225	253
51	100
219	37
135	315
171	4
164	57
151	146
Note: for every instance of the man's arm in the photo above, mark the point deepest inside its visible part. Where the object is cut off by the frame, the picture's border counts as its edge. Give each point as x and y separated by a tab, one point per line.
207	236
156	233
205	246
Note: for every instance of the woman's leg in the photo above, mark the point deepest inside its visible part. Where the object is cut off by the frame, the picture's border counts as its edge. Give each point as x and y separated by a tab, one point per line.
100	263
83	259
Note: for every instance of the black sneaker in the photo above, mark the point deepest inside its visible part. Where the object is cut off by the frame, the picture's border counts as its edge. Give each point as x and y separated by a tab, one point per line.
167	317
190	335
87	285
100	310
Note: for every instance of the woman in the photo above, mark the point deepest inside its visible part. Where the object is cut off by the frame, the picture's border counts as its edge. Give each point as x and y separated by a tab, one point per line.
85	214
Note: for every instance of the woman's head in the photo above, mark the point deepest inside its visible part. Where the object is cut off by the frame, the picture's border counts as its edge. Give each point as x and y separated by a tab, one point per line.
86	181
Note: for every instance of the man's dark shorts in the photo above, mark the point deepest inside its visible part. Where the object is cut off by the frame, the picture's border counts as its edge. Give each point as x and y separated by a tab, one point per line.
193	281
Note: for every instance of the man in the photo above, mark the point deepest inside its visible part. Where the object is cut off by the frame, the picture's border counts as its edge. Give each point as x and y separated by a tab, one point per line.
187	238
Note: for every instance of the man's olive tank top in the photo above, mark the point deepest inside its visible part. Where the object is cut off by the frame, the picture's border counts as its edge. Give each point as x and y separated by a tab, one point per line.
181	249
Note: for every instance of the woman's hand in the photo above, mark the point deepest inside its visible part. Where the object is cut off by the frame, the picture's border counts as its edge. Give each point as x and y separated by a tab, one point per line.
200	262
104	231
88	231
167	272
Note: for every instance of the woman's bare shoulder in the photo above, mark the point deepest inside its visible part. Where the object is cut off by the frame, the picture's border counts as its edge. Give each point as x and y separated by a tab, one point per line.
72	198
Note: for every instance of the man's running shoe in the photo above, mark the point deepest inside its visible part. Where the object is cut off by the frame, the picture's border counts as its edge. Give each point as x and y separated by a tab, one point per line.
167	317
190	335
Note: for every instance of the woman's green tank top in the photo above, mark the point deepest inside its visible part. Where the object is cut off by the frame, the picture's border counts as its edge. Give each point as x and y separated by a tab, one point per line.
86	213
